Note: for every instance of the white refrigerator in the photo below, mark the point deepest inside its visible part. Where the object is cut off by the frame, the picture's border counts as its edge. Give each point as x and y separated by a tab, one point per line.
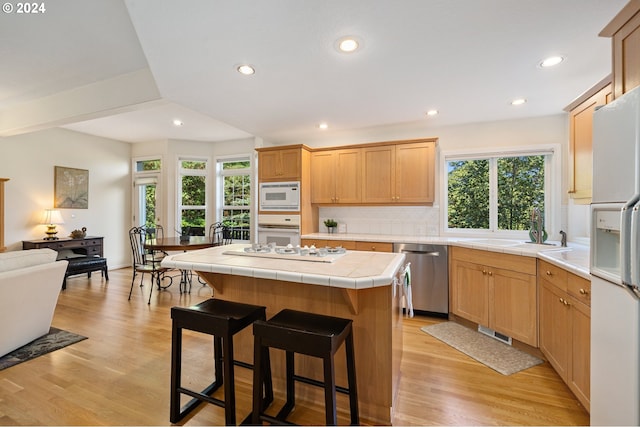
615	263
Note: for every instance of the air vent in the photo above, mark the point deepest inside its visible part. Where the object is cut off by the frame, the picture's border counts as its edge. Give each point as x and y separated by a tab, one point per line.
495	335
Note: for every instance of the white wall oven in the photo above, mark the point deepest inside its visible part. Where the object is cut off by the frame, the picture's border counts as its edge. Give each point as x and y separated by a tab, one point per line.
282	230
280	196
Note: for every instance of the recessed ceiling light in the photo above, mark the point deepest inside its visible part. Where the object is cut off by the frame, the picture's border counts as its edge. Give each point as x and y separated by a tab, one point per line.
348	44
432	113
518	101
551	61
178	122
246	69
323	126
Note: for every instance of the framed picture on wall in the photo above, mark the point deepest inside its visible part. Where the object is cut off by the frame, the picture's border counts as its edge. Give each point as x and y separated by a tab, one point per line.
71	188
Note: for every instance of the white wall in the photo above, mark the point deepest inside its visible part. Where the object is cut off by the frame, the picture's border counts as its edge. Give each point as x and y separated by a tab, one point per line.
29	160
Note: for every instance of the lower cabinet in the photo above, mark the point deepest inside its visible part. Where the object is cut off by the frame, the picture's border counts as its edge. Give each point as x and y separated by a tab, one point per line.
495	290
565	326
350	245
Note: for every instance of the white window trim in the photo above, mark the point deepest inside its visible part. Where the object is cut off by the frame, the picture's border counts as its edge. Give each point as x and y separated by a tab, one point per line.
553	182
145	178
180	172
253	187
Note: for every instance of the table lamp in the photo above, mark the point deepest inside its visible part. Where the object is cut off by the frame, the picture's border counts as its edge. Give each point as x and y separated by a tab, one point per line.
50	219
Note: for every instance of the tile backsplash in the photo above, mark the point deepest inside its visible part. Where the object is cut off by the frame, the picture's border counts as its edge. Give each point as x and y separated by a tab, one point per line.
394	220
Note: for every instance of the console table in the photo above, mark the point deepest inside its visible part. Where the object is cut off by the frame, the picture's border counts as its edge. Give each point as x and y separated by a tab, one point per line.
84	255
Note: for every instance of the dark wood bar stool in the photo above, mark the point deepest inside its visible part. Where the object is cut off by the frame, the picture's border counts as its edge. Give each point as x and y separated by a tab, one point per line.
313	335
222	319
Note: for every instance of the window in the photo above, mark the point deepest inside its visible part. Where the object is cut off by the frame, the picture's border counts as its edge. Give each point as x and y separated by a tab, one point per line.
234	187
497	192
192	195
145	179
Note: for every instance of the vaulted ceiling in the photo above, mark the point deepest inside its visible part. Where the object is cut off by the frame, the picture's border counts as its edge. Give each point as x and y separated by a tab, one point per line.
127	69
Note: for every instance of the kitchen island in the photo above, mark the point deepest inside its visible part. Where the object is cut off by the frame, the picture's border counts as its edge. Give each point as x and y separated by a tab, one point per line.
355	285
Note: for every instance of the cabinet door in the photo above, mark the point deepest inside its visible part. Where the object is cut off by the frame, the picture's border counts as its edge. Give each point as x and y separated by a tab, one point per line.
280	165
581	144
323	177
378	164
580	365
554	327
414	171
513	302
626	61
348	176
469	291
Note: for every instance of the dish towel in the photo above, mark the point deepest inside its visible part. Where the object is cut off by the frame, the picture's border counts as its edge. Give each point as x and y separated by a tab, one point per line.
407	289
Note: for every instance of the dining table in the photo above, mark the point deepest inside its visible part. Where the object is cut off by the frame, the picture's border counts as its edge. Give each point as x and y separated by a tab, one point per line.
173	244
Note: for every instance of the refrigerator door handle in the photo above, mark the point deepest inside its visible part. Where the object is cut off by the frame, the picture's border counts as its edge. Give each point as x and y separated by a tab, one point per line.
629	250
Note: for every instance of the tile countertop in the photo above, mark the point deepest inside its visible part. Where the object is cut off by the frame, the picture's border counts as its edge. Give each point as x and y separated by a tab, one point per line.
574	258
353	270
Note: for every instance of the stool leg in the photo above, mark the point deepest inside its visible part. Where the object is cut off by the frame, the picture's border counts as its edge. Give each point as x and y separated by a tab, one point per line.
176	366
268	381
217	360
353	385
330	391
258	375
291	387
229	383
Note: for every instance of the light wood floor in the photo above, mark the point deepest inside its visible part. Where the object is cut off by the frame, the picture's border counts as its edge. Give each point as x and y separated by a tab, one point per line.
120	375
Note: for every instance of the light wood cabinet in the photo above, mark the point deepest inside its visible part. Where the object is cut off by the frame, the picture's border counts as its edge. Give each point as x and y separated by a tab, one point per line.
336	176
565	326
624	30
581	139
350	245
401	173
279	164
495	290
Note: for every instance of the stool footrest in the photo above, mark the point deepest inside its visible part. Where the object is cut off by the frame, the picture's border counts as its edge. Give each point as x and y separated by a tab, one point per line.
276	420
198	398
317	383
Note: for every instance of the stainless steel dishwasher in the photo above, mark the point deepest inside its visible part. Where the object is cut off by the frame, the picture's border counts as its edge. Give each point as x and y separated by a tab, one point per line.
429	277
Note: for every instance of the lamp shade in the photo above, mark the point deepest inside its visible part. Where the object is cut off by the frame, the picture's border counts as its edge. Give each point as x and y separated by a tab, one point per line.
52	216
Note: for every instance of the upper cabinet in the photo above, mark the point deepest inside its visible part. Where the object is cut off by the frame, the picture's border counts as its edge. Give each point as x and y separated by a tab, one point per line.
279	164
581	138
401	172
624	30
336	176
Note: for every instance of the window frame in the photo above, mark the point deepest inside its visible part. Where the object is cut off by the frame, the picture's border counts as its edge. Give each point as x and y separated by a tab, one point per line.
144	177
552	185
221	174
181	172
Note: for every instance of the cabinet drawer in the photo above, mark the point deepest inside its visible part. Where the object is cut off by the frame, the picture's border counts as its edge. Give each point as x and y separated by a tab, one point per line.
374	246
555	275
347	244
579	288
318	243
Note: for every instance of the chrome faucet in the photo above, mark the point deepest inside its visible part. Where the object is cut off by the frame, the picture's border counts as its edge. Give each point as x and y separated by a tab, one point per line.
563	240
536	226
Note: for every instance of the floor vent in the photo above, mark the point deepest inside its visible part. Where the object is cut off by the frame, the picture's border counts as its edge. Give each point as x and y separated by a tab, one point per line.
495	335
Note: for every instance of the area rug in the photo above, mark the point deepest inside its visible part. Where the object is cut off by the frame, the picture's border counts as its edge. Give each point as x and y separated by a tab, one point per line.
54	340
496	355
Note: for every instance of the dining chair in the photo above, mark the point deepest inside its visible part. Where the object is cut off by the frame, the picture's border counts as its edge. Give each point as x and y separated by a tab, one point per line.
155	233
219	234
143	262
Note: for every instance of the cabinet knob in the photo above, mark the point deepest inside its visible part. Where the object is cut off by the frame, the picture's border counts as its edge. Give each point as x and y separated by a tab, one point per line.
584	292
548	273
484	272
491	273
373	248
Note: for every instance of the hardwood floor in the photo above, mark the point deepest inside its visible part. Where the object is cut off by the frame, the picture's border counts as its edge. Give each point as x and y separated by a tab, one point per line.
120	375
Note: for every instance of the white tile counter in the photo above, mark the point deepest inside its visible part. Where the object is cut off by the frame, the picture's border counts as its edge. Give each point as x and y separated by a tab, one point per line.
574	258
353	270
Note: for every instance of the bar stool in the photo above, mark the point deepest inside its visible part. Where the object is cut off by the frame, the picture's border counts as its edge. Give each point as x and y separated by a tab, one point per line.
313	335
222	319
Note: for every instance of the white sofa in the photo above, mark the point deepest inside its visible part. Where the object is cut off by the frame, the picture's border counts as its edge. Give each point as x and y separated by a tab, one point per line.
30	282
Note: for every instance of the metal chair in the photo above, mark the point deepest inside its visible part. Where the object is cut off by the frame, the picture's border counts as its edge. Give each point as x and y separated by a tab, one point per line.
218	234
155	233
143	262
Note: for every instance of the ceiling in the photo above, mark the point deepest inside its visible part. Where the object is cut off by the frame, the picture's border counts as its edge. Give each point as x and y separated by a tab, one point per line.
126	69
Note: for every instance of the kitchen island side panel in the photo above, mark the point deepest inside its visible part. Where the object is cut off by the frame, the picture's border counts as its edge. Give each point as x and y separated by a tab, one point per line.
377	326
